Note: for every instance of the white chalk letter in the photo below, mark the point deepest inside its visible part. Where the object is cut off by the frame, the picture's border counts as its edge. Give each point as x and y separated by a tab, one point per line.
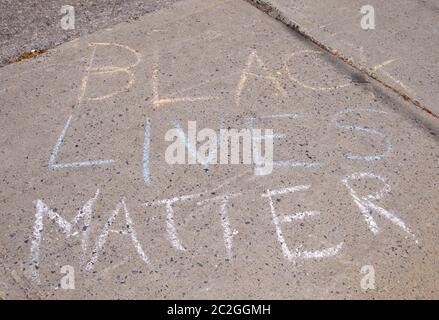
102	239
366	206
66	227
291	255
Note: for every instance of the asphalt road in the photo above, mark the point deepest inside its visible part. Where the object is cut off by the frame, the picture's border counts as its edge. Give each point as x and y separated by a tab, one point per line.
34	24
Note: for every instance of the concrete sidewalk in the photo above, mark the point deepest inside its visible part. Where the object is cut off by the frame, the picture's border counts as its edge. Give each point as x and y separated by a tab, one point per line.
400	50
85	182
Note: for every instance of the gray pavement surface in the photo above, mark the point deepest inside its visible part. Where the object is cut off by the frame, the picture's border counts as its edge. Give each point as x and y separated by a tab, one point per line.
400	50
85	182
27	25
